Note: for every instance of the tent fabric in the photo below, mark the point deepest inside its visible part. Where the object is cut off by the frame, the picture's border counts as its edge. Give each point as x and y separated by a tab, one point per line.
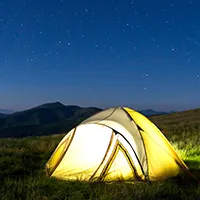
115	144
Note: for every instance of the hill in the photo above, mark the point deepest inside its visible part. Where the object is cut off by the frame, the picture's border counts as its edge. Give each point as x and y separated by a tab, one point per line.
54	118
4	111
2	115
179	121
50	118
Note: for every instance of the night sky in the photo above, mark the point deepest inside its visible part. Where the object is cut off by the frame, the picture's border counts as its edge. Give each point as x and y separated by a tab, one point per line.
141	54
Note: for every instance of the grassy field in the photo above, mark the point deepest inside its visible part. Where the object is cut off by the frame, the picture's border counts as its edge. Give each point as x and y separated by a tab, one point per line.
22	174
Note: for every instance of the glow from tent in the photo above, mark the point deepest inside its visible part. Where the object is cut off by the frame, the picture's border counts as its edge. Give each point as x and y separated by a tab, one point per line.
86	152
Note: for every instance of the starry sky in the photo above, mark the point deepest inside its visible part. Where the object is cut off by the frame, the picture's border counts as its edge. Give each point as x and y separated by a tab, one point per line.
136	53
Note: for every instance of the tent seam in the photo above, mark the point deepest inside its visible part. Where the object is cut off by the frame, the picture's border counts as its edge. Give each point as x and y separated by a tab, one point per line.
146	175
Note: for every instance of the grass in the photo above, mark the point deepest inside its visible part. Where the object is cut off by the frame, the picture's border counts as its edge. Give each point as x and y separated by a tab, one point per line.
22	174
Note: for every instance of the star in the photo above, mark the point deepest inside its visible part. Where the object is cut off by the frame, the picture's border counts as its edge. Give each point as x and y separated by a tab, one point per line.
110	72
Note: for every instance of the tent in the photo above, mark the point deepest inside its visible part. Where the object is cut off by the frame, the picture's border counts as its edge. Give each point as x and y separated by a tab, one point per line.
115	144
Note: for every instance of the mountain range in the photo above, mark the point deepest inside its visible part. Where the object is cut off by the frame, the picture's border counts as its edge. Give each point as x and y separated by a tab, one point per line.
4	111
49	118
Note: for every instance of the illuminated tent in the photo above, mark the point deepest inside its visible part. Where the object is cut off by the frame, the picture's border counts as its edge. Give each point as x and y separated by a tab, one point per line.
115	144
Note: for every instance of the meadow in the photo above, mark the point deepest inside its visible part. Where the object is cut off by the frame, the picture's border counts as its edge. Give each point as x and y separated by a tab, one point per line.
22	174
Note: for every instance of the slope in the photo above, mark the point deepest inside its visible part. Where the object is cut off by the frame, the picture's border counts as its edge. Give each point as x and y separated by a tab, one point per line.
44	120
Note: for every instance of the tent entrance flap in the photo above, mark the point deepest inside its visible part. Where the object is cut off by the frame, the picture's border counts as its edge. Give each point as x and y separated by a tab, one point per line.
120	165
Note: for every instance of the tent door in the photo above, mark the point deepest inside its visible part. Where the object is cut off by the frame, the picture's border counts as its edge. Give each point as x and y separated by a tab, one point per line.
121	147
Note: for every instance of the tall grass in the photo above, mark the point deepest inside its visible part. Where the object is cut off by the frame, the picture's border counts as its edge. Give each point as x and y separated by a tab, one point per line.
22	174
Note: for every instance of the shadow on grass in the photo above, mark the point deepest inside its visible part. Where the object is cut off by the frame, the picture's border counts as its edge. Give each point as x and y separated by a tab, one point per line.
190	177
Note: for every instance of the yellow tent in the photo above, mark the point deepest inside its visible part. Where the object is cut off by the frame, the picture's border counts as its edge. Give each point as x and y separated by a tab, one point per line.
115	144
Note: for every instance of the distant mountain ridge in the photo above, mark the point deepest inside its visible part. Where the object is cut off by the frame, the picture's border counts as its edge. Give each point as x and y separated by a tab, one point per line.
56	104
49	118
5	111
150	112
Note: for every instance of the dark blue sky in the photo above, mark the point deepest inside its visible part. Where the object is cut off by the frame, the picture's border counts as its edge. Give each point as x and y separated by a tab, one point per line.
141	54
